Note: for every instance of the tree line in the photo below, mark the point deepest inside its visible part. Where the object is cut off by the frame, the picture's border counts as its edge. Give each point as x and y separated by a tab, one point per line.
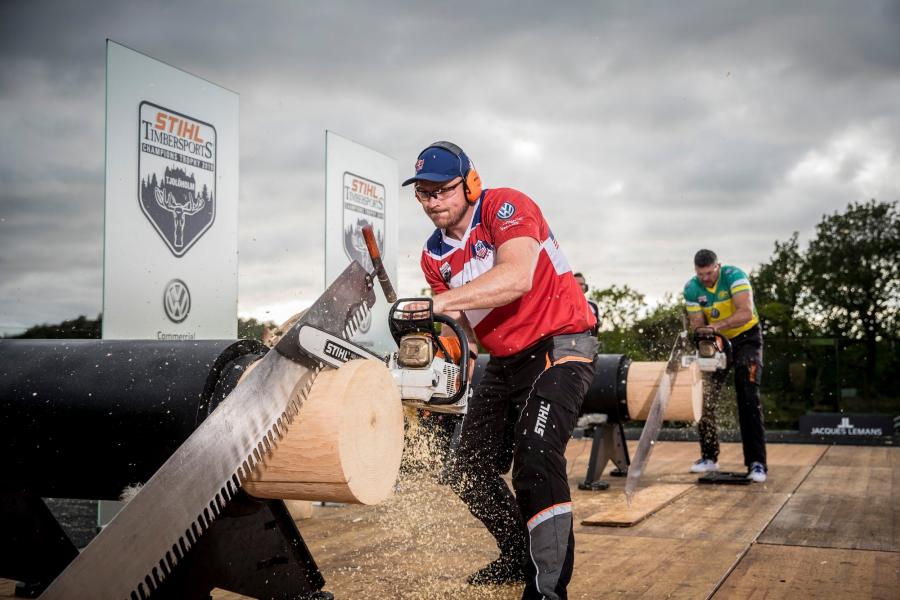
89	329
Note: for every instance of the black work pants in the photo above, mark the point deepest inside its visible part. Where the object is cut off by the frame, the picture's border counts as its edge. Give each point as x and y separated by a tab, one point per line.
748	364
522	415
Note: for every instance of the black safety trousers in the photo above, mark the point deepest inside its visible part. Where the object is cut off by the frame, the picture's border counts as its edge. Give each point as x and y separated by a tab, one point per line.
748	365
522	414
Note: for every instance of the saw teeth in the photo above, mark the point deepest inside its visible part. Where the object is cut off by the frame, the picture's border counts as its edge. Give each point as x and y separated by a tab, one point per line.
217	504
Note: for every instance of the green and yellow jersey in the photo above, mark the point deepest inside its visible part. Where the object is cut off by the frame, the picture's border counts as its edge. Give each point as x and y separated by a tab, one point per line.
717	303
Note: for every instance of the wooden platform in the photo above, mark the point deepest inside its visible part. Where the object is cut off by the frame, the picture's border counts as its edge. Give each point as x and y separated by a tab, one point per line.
825	525
790	572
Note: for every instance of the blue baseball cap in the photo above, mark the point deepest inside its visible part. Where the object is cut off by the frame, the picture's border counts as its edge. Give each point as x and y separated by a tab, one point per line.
436	163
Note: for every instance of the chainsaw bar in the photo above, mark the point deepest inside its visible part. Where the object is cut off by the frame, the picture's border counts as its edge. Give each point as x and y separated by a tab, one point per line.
330	349
141	546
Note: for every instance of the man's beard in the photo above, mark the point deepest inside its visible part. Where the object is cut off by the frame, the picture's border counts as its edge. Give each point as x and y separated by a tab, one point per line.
449	218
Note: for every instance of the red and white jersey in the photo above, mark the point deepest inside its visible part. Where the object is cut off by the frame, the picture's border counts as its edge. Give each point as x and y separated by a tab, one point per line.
554	306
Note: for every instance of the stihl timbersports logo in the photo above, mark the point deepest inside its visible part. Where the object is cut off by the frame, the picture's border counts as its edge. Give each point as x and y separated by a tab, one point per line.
364	204
177	301
177	169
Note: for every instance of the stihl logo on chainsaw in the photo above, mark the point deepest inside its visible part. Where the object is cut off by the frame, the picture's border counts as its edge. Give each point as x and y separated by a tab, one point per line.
543	413
339	352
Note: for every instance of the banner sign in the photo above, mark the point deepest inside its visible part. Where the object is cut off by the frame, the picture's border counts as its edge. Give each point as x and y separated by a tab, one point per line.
361	188
170	239
363	204
838	425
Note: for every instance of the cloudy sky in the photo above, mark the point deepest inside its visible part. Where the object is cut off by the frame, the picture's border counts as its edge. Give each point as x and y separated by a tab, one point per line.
645	130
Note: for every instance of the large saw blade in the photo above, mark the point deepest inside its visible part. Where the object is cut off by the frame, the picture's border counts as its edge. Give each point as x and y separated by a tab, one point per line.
655	418
144	542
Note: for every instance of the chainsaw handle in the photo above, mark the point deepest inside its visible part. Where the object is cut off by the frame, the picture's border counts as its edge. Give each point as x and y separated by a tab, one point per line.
404	320
463	359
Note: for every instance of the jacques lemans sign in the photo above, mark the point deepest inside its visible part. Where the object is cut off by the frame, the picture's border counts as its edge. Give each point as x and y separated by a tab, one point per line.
846	425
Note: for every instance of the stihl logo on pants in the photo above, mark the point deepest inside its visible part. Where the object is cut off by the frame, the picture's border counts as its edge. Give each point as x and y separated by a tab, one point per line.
543	413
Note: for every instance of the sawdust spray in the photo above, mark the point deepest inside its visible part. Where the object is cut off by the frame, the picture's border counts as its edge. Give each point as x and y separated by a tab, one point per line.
436	542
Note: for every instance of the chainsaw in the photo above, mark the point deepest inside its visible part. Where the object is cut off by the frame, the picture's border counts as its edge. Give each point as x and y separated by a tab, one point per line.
431	371
427	368
712	351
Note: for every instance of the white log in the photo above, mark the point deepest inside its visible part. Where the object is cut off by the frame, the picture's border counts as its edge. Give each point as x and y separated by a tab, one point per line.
344	445
685	403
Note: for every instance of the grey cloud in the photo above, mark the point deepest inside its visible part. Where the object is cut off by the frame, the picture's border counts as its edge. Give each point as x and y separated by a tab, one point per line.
644	119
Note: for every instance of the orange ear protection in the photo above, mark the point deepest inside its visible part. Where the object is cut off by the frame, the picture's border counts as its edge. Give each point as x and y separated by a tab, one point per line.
471	178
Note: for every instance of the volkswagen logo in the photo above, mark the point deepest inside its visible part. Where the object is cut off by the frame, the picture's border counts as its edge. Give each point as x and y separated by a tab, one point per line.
177	301
506	211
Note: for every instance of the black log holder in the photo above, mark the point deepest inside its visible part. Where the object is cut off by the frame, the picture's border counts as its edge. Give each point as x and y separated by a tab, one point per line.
70	403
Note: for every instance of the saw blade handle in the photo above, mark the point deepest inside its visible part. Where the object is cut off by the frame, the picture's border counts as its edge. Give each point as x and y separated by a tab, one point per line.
375	254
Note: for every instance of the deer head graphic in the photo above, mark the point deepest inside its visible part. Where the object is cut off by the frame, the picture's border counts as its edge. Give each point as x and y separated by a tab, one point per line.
193	204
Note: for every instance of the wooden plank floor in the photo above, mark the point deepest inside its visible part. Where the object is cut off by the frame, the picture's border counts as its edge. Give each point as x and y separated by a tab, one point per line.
850	500
791	572
708	542
707	513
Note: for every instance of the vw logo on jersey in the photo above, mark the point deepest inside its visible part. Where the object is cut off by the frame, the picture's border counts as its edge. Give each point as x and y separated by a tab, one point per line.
177	301
715	313
506	211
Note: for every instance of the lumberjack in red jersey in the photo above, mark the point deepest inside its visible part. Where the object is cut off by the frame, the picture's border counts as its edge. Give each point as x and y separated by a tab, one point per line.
494	265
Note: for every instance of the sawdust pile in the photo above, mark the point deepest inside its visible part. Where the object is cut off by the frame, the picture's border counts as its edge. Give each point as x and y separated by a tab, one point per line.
422	542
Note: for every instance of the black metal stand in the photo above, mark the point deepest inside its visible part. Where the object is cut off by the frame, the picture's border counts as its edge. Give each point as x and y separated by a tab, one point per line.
254	548
35	548
608	445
